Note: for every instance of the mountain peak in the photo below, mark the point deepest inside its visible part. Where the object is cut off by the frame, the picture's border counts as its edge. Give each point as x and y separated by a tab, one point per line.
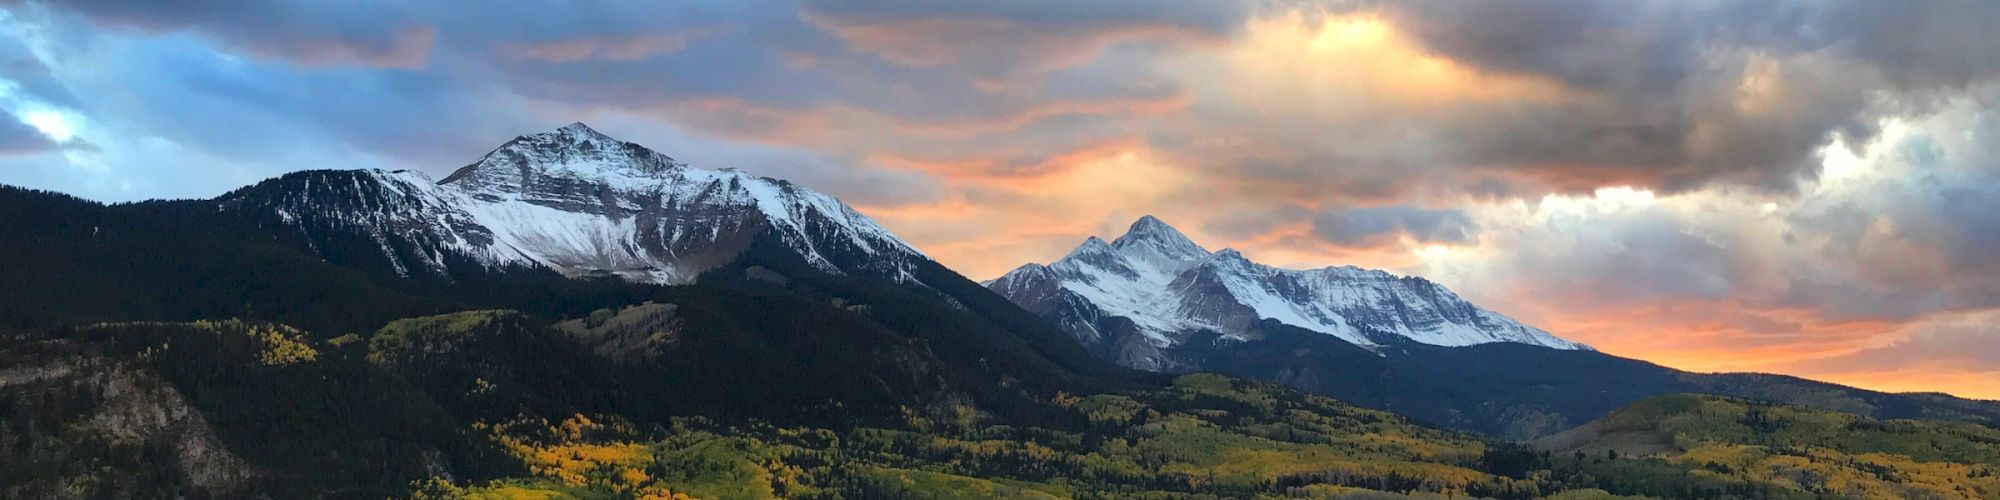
574	152
1150	226
1091	246
577	132
1228	258
1167	286
1151	240
574	134
584	204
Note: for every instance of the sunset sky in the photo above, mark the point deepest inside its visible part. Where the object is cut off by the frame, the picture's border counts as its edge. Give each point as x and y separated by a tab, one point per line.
1810	188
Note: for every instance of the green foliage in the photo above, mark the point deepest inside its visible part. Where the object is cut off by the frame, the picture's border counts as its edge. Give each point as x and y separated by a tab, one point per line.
493	365
1202	436
1723	446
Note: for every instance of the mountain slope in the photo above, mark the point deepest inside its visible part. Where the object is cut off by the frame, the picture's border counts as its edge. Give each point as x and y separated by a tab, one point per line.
1139	298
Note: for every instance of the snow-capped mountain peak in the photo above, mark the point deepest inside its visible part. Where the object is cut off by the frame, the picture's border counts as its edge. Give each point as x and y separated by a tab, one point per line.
1162	287
572	154
1092	246
583	203
1153	243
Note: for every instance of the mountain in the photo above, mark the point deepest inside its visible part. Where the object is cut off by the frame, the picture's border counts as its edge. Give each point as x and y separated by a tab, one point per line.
777	292
1139	299
582	204
1155	300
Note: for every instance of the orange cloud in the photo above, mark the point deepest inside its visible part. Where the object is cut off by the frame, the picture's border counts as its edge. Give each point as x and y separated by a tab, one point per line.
1728	336
994	223
1291	63
1128	107
993	168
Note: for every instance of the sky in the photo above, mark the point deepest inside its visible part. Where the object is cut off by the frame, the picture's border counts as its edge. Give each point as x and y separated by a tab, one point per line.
1809	188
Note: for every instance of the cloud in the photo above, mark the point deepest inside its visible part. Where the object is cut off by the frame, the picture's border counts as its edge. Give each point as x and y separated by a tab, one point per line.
1955	351
19	138
1896	232
1378	226
1964	340
614	48
995	40
349	33
30	77
1734	92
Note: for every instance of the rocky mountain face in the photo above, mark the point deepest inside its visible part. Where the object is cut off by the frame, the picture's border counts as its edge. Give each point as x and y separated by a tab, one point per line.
1141	298
578	202
95	404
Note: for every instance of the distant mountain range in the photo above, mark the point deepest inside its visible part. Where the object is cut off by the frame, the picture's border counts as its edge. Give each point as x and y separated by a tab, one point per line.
1140	298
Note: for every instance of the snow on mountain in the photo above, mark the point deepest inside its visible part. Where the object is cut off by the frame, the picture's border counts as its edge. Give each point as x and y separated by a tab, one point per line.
1163	288
582	203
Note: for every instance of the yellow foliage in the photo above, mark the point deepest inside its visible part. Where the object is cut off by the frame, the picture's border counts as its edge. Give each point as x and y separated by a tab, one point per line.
617	465
283	345
1066	400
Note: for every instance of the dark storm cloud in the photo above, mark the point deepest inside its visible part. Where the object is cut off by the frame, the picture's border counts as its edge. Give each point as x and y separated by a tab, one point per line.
19	138
18	64
1919	45
1646	47
1675	70
1375	226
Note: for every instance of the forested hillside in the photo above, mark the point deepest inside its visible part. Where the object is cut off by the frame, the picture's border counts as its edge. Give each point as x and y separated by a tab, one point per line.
1691	445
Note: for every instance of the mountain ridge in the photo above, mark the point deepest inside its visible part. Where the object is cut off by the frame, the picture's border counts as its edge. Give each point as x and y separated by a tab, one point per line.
1167	287
583	204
